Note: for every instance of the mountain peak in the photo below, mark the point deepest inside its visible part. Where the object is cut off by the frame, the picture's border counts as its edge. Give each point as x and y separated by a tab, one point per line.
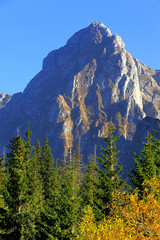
96	32
100	26
80	87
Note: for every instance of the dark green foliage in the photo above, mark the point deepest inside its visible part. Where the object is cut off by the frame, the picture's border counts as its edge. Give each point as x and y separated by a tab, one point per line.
89	187
47	172
15	192
47	221
157	148
145	165
40	201
108	173
68	199
37	152
21	193
78	159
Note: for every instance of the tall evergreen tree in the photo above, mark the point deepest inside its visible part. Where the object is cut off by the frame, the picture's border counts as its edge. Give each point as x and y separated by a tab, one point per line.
67	202
47	222
78	158
14	192
109	180
29	159
47	172
145	165
156	141
88	187
67	197
21	194
37	152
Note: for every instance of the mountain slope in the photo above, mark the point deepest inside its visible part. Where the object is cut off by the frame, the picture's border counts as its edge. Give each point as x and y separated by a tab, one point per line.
80	87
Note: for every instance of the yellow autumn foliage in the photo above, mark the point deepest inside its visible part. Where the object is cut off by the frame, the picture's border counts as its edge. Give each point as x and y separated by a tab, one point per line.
131	218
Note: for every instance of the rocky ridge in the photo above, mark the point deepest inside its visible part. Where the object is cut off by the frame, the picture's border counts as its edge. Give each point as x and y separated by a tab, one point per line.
80	87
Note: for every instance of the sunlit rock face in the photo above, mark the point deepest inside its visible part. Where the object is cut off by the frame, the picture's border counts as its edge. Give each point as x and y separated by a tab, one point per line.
4	99
80	88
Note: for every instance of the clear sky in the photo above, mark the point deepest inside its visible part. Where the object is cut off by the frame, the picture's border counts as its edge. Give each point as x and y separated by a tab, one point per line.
30	29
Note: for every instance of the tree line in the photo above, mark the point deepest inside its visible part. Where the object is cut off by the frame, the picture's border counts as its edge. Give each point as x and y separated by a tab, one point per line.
43	198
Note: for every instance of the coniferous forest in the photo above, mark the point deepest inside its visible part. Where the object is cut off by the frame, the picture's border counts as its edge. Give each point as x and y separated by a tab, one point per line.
46	198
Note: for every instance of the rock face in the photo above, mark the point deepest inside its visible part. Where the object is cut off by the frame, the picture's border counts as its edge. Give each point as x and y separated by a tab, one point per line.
4	99
80	87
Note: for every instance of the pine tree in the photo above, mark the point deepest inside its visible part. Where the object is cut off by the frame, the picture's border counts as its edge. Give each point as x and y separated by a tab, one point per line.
21	194
145	165
67	204
156	142
2	190
77	155
2	169
29	160
88	186
70	191
74	168
108	173
14	192
47	222
47	172
64	203
28	139
36	202
37	152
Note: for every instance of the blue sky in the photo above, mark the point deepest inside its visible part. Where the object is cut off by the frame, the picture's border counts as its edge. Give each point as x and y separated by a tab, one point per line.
30	29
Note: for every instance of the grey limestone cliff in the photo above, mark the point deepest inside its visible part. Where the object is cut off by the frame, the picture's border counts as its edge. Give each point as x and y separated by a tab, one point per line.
4	99
80	87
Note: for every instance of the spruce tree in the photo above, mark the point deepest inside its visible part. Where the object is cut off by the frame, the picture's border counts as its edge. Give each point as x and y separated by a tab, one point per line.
67	201
47	172
88	186
37	152
156	141
47	221
145	165
63	203
14	192
68	198
21	194
29	160
3	206
77	155
108	172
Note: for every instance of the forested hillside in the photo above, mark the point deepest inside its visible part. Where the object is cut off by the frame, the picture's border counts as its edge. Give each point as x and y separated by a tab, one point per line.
46	198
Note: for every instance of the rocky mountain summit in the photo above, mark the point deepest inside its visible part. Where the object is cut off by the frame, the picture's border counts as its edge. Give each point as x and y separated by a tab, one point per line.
81	86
